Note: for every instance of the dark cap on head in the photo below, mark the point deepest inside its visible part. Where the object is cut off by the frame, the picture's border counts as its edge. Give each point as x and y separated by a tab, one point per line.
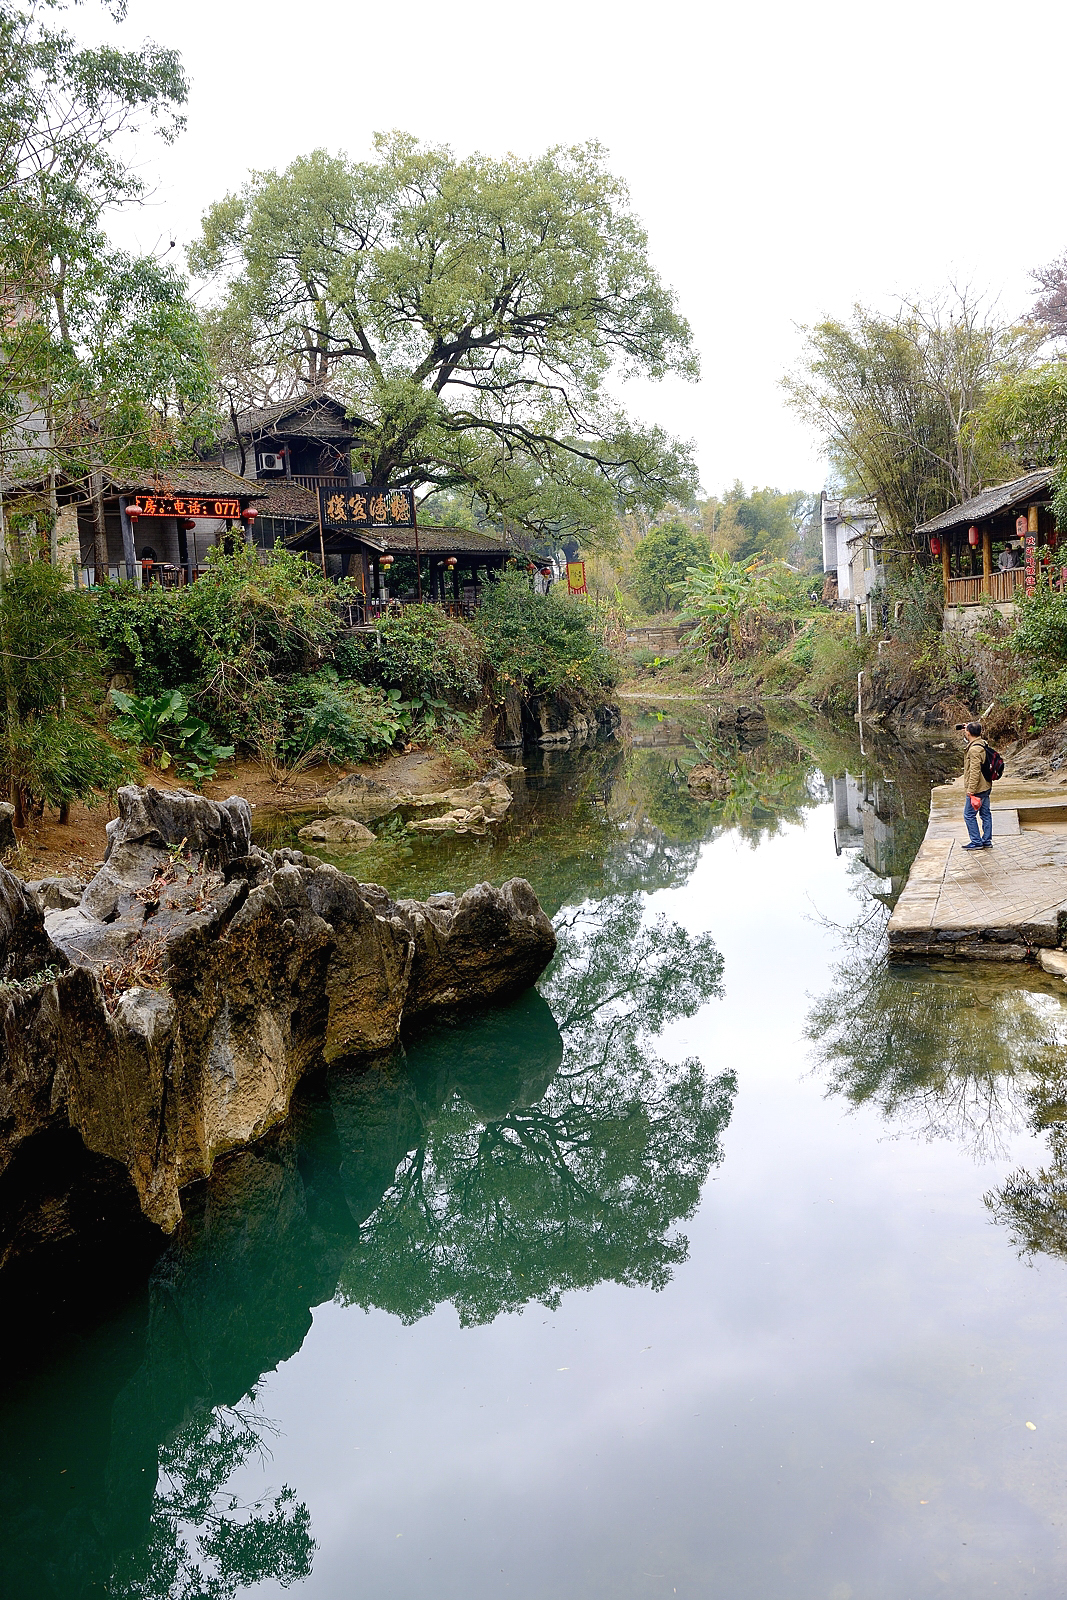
974	729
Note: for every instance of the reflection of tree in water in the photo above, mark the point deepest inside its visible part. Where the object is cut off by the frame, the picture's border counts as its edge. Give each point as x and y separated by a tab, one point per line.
956	1052
583	1185
243	1545
1033	1206
949	1052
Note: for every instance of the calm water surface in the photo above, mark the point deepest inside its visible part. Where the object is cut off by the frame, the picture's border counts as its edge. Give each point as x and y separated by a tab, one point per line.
728	1264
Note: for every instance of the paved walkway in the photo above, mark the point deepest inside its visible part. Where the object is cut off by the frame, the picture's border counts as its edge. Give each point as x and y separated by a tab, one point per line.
1003	904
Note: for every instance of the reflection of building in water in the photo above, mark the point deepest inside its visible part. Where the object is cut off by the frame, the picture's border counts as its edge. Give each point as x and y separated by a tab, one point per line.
864	812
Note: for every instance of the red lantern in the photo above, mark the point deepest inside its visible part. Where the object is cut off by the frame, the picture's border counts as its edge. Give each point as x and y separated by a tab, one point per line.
1052	538
972	537
250	515
935	546
386	562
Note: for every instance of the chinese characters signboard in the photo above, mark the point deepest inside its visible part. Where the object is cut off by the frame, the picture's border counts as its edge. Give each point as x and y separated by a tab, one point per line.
576	577
1029	539
351	510
169	505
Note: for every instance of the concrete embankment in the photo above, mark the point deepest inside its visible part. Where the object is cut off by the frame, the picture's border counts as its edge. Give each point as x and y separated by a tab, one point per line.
1008	903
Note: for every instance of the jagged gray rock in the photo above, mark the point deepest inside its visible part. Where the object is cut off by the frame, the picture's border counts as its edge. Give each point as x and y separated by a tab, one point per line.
177	1004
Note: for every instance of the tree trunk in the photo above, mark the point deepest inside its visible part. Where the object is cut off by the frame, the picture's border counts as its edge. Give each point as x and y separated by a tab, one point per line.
99	527
10	705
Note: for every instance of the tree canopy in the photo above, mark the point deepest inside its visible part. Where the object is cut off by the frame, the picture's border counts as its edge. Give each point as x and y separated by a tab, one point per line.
895	400
103	359
471	311
660	561
765	523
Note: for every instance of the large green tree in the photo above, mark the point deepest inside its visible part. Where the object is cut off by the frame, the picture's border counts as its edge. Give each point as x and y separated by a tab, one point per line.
658	565
765	523
472	312
895	400
102	352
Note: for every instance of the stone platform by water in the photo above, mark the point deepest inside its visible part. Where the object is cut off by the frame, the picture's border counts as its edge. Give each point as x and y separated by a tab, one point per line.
1004	904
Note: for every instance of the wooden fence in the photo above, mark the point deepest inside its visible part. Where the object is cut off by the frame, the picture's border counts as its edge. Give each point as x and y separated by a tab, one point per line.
998	588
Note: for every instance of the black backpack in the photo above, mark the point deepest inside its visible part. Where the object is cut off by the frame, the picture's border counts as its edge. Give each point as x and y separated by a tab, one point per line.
993	765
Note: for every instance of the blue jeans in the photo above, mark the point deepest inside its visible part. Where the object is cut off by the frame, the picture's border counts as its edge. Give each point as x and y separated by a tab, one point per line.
971	817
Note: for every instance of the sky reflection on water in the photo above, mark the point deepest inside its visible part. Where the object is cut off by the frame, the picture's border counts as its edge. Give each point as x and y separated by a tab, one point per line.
458	1330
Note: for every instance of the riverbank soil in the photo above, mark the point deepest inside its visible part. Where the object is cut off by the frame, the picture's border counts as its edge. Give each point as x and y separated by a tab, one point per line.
49	849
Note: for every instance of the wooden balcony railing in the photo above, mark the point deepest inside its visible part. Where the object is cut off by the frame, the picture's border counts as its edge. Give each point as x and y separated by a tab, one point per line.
361	613
315	480
996	589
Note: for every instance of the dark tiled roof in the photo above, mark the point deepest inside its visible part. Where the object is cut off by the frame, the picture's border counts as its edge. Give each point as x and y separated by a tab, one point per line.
401	541
314	414
1004	497
195	480
288	501
192	480
437	541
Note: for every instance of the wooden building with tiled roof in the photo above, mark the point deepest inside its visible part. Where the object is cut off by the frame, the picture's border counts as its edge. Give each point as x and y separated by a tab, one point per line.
452	561
155	524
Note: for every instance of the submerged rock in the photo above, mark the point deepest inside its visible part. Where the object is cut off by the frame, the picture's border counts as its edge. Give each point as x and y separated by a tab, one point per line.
337	830
709	781
358	796
168	1015
472	820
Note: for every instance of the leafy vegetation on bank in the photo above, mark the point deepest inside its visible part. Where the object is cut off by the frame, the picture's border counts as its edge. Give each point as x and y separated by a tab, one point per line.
543	642
52	751
255	657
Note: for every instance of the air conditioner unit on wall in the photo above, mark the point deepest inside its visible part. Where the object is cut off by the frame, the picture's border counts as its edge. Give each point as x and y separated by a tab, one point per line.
269	462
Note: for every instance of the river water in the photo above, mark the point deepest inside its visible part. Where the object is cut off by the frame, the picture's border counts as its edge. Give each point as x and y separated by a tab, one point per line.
728	1264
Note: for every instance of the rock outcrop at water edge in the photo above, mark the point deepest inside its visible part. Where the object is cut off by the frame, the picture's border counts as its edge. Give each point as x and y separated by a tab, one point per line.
168	1015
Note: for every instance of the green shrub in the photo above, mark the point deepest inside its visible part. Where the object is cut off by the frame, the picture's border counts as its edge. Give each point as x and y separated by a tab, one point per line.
162	726
330	720
1041	626
227	640
837	656
919	596
56	760
1044	698
421	652
51	751
544	641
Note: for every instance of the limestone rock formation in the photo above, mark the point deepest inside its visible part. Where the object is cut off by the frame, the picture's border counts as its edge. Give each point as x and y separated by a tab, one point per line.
554	723
168	1015
462	820
362	797
337	830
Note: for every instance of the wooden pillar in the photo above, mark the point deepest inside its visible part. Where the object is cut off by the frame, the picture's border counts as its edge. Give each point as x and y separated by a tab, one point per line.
129	552
183	548
946	565
987	553
1031	519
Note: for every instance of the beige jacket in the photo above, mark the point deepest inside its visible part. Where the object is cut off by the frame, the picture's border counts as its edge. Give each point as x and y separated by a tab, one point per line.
973	781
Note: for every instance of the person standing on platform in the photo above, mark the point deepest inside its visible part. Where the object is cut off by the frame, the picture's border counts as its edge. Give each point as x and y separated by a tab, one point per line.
977	787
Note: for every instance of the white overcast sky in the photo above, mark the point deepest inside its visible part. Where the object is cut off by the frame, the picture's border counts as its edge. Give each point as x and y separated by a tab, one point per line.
787	159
